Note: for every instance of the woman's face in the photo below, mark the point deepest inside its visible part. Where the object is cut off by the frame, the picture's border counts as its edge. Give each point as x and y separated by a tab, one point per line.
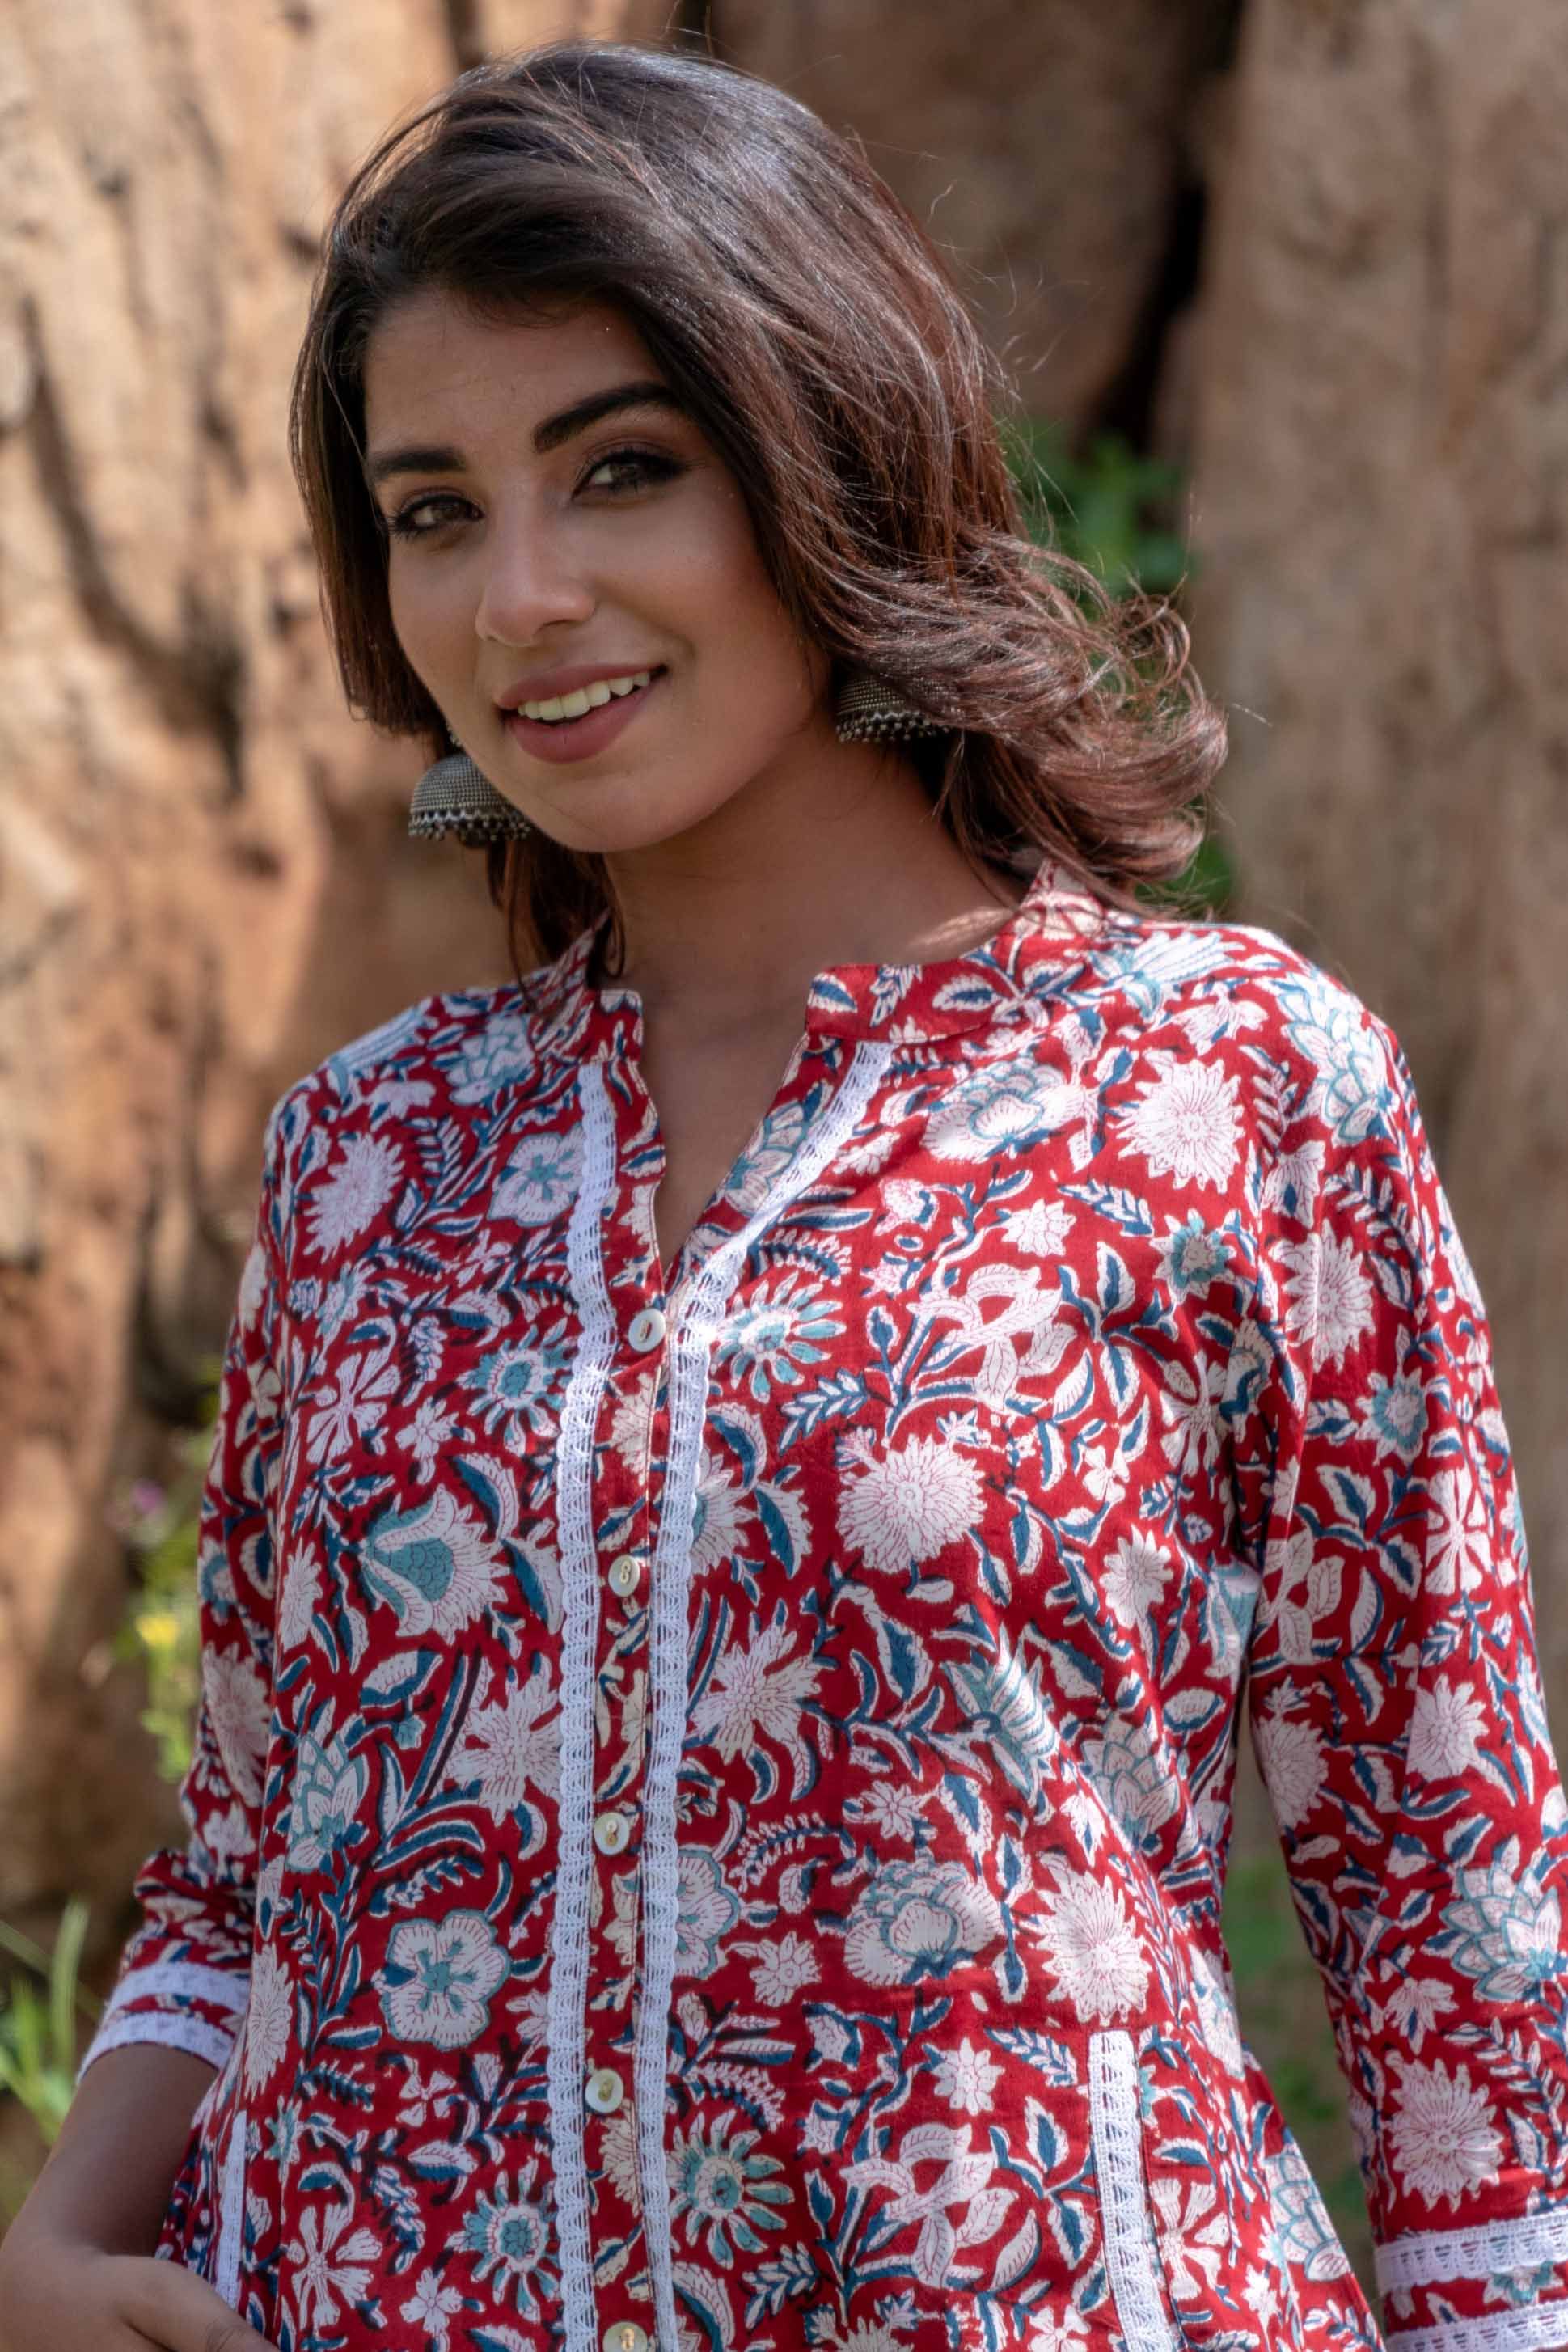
532	537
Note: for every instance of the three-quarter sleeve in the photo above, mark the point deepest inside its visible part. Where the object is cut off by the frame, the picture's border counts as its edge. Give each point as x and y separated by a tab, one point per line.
1395	1702
184	1975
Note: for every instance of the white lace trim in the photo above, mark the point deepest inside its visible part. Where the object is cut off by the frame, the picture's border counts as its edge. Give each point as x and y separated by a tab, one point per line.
224	1989
169	2030
702	1298
1530	2327
1117	2133
1430	2254
231	2215
566	2062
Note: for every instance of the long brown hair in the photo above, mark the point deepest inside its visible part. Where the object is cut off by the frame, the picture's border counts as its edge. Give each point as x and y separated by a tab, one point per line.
818	339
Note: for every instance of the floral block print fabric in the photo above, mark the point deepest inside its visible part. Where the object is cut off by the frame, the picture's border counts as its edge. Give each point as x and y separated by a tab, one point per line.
711	1797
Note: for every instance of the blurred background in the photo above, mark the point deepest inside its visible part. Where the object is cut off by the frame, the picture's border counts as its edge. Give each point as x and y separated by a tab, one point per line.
1283	288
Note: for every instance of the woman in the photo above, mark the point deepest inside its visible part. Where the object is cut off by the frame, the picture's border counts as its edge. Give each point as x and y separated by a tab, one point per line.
756	1464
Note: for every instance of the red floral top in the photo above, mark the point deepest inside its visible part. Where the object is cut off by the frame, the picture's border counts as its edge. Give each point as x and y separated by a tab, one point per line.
712	1789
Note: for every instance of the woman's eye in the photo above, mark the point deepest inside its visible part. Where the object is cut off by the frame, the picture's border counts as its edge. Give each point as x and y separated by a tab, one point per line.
634	467
435	511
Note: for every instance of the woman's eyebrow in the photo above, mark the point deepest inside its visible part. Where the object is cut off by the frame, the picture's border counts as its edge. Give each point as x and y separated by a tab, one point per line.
432	459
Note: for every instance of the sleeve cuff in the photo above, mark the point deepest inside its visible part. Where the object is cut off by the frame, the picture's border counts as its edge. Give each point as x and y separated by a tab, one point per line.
176	2004
1494	2286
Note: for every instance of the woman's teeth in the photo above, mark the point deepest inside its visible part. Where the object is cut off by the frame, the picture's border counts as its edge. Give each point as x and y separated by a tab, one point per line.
585	698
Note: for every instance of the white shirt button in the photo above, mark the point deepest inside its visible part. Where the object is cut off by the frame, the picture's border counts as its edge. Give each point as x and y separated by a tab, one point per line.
605	2090
625	1572
611	1832
625	2336
647	1330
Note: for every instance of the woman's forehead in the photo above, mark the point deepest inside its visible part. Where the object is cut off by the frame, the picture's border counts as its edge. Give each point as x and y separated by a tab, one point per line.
436	355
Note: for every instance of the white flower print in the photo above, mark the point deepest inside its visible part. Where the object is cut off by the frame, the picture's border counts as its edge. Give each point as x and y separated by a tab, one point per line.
438	1978
368	1171
1133	1779
425	1435
917	1920
1040	1230
1291	1183
540	1178
966	2077
228	1835
297	1602
724	1518
1191	1258
327	1788
1193	2233
1443	2138
782	1968
761	1692
1504	1931
507	1746
631	1420
897	1810
1291	1756
240	1713
709	1909
268	2018
1006	1105
437	1566
903	1203
1262	2295
1327	1294
910	1505
1416	2005
1189	1404
433	2308
366	1385
1186	1126
328	2267
1446	1730
1211	1982
1459	1541
1394	1415
506	2236
618	2143
622	1927
1058	2331
252	1284
1092	1949
1133	1579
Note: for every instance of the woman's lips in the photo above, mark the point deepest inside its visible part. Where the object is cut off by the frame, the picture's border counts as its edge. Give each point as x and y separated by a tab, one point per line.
564	740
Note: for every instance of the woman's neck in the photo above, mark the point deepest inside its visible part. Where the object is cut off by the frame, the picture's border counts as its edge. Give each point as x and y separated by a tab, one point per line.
729	930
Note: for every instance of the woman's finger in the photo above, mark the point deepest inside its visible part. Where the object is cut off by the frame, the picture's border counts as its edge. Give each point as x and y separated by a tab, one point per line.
173	2307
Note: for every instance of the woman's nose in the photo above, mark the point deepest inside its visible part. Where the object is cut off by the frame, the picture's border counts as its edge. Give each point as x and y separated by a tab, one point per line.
530	580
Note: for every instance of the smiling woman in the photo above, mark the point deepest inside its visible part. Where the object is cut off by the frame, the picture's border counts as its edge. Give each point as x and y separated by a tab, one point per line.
761	1464
775	325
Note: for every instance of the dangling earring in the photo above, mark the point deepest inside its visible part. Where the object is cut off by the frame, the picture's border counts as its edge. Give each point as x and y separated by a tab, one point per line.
456	796
870	710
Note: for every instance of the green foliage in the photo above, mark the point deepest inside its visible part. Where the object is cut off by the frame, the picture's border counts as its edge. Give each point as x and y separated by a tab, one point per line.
163	1626
1109	508
38	2020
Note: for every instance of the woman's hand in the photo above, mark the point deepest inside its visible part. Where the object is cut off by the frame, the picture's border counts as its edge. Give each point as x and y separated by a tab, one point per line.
77	2268
57	2296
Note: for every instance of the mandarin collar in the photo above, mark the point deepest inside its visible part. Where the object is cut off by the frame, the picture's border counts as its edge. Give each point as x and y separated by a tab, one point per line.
902	1003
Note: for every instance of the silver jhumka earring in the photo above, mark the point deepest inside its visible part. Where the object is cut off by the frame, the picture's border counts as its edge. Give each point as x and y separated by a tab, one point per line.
456	796
869	710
